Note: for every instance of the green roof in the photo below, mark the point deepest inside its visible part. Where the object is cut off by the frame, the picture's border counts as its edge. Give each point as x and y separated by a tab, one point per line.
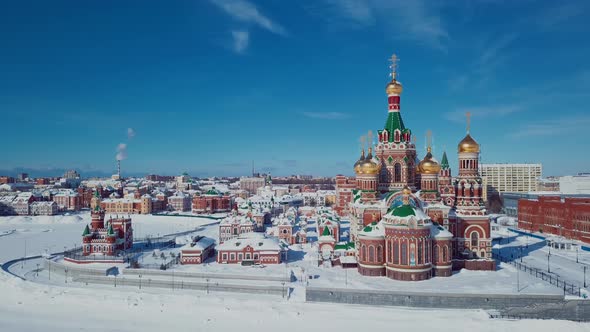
110	231
86	231
394	121
344	246
404	211
326	231
444	164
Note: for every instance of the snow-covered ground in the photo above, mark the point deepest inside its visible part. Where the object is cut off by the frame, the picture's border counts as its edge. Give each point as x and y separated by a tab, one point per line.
536	254
29	236
29	307
50	305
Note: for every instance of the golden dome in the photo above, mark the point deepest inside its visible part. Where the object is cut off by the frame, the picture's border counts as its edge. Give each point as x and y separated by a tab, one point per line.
428	165
367	165
468	144
394	87
357	165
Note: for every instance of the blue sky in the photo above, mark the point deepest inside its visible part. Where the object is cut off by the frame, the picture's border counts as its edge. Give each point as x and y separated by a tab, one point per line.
208	86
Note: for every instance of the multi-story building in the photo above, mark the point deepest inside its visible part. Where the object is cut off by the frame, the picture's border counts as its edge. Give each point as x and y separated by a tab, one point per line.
22	177
22	203
211	202
122	205
6	208
71	174
180	201
6	179
564	216
576	184
251	185
511	177
235	225
68	200
43	208
550	183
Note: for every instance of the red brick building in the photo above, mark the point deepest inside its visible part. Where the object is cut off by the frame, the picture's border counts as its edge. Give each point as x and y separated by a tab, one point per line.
344	195
68	201
568	217
6	179
248	249
198	251
211	202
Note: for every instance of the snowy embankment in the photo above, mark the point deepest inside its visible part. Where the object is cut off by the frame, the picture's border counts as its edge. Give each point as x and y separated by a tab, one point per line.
27	307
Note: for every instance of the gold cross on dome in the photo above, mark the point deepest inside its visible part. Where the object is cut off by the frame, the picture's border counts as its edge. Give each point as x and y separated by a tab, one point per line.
428	139
394	60
468	115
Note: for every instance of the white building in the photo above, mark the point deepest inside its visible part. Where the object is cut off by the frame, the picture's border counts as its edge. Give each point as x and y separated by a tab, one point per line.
43	208
575	184
179	201
511	177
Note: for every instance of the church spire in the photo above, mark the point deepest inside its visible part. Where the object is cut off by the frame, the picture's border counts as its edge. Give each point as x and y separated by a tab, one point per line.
444	163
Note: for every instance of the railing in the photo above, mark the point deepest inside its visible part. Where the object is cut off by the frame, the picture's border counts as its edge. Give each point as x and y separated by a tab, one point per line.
569	288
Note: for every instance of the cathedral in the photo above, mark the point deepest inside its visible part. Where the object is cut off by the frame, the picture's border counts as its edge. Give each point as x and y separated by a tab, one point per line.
410	219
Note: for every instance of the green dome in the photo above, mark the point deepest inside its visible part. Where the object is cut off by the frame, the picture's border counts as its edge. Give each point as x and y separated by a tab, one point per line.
403	211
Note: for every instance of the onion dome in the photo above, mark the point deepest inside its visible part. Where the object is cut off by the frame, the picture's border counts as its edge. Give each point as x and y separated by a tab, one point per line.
358	163
428	165
368	165
468	144
393	88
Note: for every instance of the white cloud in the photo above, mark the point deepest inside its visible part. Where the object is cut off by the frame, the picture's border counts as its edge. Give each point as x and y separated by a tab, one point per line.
241	40
326	115
570	125
244	11
130	133
458	115
416	20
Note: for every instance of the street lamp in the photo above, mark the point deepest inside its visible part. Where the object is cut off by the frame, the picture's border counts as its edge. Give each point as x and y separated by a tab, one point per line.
548	267
140	281
585	267
577	260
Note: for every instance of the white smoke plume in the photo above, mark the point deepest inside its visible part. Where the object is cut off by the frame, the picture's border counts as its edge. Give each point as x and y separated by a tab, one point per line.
130	133
121	151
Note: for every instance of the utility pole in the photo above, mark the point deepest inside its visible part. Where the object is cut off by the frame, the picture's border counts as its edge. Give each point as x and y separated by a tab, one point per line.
518	280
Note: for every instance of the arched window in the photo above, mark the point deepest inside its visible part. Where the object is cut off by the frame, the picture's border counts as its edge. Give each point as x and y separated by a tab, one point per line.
404	253
419	252
395	253
445	248
371	254
379	254
474	239
363	253
397	172
435	254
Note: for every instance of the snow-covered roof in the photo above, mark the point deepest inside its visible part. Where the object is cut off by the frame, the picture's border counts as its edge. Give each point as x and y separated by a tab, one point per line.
374	229
439	232
202	244
255	240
